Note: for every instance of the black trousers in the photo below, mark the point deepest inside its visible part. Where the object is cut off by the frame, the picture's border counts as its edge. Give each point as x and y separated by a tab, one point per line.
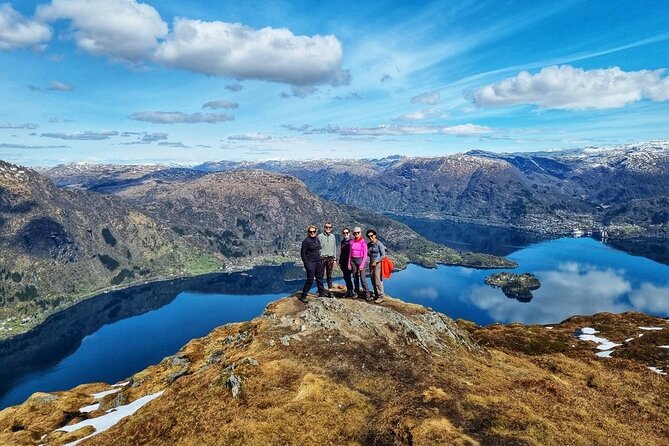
328	264
347	277
313	270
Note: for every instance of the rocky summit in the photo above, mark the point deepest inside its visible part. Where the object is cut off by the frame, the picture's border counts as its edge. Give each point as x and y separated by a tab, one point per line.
347	372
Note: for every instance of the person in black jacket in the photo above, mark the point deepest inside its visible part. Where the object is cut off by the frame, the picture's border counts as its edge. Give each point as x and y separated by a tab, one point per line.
311	259
344	254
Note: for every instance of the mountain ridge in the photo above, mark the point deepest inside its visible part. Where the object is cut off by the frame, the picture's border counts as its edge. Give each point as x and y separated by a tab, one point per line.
621	189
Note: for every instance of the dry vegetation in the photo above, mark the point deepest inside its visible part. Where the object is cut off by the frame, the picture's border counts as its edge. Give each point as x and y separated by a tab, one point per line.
344	372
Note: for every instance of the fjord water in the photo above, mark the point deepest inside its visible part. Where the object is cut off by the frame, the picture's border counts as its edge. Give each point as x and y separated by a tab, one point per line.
110	337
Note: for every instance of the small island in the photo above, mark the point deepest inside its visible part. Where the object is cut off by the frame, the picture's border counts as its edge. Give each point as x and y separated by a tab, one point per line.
514	286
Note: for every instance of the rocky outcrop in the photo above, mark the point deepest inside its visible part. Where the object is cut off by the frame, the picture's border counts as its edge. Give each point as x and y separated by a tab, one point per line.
343	371
514	286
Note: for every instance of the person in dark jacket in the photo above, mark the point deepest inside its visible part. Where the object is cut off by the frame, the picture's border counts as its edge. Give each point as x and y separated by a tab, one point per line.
344	254
311	259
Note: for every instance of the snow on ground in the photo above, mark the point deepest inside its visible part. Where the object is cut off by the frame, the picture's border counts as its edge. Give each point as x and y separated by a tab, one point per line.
99	396
588	334
91	408
113	416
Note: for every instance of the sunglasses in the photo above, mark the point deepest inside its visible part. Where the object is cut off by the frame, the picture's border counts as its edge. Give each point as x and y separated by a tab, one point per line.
328	227
370	235
311	231
356	232
345	232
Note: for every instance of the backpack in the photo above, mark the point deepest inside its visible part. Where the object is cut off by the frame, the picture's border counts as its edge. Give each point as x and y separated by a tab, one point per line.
386	267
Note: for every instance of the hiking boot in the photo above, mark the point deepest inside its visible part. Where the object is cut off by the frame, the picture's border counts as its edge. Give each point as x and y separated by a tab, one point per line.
330	295
323	294
379	300
349	294
302	299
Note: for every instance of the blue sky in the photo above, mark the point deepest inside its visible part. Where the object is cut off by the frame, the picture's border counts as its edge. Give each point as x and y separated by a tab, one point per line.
184	82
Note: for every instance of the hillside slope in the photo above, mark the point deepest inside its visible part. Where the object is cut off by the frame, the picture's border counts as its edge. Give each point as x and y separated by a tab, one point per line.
253	217
347	372
57	247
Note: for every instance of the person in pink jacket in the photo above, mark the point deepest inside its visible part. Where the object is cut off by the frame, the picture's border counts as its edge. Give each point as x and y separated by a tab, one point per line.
356	263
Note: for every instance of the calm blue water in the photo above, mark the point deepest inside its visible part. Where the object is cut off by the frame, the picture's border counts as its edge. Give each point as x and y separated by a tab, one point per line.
578	276
122	348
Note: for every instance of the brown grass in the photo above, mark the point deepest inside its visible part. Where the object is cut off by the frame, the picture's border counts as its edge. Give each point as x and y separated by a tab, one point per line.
332	387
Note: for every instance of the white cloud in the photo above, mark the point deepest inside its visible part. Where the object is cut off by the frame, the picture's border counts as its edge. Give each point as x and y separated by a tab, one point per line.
421	115
427	293
158	117
572	288
176	145
394	130
123	29
301	91
82	136
145	137
17	31
24	146
429	98
250	137
234	87
566	87
59	86
651	298
27	125
221	103
235	50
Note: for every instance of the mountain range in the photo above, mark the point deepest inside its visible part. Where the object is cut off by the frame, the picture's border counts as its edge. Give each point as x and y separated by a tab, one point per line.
623	189
61	245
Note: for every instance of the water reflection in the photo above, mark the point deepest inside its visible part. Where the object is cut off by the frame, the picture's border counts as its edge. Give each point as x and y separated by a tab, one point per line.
651	298
578	276
652	248
471	237
63	333
570	289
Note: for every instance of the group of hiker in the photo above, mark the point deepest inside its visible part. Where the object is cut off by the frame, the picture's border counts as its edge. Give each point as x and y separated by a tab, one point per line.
320	254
